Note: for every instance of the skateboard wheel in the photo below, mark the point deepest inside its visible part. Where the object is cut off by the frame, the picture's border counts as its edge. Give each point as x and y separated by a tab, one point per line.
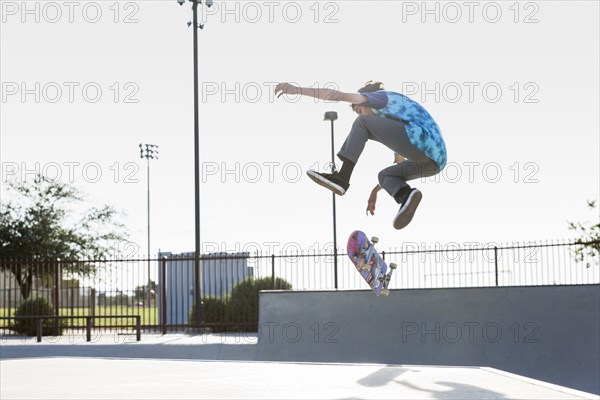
385	292
393	266
374	239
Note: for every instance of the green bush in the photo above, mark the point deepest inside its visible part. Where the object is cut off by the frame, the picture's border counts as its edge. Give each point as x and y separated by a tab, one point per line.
35	307
240	312
215	313
243	306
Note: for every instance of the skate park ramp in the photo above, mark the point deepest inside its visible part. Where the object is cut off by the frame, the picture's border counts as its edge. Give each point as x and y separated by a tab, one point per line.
226	367
339	345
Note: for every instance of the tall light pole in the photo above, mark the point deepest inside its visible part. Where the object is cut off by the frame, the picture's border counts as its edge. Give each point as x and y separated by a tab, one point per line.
332	116
149	152
197	247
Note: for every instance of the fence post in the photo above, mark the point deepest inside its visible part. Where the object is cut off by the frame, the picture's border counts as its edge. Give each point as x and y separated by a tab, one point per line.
11	264
38	329
496	263
88	328
273	271
138	328
56	294
163	294
92	302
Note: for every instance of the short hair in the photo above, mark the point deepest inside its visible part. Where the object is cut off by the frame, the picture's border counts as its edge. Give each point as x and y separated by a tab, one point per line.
371	86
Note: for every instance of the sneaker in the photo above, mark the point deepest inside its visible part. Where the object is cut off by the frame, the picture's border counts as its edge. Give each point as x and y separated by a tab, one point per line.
331	181
409	205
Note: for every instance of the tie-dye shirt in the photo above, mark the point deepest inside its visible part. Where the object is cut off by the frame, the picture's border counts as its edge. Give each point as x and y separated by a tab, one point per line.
421	128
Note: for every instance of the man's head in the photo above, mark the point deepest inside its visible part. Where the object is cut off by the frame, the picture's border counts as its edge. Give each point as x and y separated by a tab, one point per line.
371	86
361	110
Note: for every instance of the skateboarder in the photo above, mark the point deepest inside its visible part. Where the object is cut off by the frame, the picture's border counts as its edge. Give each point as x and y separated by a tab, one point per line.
397	122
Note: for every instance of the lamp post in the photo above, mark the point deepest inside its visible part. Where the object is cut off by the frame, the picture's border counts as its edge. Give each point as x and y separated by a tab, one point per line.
332	116
149	152
197	247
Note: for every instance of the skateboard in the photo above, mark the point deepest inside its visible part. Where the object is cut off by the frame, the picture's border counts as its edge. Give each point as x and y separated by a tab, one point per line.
369	263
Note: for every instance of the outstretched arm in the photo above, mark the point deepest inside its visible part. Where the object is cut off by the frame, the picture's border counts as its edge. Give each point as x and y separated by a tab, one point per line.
372	200
320	93
373	197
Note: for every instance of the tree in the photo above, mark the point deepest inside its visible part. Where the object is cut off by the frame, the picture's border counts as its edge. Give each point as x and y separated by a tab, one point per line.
40	227
589	240
146	293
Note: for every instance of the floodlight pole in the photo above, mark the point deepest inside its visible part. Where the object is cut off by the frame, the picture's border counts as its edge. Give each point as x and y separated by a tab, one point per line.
197	247
149	152
197	244
332	116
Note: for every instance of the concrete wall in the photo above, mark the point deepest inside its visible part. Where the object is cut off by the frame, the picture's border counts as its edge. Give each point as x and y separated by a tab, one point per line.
550	333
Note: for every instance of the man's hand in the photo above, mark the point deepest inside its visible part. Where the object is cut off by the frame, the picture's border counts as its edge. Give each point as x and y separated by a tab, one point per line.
285	88
372	200
398	158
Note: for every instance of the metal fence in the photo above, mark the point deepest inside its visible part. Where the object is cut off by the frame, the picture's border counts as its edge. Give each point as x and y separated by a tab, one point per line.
161	290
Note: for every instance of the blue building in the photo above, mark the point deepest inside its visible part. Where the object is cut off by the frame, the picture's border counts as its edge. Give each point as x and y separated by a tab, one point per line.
220	272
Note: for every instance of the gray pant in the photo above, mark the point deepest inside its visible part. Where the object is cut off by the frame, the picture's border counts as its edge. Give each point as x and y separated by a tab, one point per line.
393	135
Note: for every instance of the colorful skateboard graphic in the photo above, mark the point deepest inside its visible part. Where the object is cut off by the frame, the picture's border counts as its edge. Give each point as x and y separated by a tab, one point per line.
369	263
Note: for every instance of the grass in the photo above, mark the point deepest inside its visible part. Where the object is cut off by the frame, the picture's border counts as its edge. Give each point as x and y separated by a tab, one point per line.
149	315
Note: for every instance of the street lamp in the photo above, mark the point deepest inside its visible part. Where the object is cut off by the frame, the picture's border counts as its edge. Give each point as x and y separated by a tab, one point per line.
149	152
197	248
332	116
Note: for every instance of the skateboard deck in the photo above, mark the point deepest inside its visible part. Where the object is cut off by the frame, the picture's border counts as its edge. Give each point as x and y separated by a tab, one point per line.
369	264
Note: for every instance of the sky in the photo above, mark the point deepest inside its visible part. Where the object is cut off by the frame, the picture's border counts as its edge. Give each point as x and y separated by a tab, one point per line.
514	87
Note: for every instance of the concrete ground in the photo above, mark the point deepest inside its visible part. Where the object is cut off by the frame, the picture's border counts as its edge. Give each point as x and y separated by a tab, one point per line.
228	367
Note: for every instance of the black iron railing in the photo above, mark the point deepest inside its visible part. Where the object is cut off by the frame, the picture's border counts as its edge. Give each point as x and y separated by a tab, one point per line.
164	300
